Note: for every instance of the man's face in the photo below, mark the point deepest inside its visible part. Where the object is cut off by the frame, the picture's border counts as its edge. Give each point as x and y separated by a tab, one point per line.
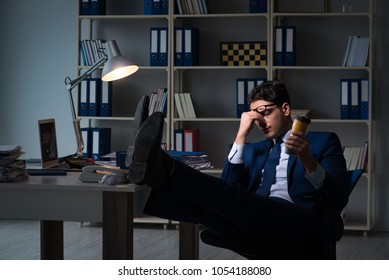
273	119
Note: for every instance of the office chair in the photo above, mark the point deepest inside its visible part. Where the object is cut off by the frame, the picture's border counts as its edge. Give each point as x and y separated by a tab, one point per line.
276	247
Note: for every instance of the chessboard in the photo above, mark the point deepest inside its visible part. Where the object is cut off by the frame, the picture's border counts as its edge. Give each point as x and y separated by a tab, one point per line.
243	53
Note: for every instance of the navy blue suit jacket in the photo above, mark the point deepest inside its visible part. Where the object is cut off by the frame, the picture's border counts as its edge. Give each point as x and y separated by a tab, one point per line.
327	150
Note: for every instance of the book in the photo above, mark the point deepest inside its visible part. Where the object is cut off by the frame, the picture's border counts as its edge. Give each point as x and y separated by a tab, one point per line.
357	51
184	105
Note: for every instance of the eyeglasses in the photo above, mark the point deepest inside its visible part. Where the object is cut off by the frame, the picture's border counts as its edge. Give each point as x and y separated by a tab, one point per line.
263	109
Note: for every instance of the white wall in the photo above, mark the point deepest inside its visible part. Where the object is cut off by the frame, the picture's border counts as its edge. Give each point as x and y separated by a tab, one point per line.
38	50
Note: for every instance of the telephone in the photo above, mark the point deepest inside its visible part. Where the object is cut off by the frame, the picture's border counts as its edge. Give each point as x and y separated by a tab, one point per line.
95	173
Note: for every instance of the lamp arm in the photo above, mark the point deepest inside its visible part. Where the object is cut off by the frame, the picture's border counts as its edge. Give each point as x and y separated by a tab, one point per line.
70	84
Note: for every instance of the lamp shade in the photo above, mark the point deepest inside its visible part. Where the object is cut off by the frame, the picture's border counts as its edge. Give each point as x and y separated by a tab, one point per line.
117	66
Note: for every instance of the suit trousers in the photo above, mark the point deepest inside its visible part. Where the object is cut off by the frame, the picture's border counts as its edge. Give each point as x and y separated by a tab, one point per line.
227	210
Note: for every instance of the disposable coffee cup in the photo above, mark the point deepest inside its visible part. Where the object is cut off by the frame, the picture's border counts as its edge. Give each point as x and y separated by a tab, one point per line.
300	124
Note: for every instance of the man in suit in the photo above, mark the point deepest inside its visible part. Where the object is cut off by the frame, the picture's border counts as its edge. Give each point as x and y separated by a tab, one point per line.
245	200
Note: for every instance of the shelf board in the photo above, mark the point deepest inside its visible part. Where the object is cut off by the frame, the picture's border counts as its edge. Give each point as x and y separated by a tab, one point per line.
220	119
356	226
318	14
219	67
221	16
123	17
321	68
106	118
153	220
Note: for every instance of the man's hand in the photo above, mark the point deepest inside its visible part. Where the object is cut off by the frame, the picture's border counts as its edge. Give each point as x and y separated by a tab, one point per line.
246	125
297	143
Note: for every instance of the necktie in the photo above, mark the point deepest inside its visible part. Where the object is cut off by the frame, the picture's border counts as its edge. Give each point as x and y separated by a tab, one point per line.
269	172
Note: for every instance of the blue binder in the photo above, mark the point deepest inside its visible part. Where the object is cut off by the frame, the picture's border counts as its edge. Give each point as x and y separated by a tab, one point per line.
97	7
86	133
191	46
84	7
94	96
290	45
83	98
178	46
164	7
163	42
344	99
258	6
106	99
179	140
364	101
253	6
148	7
241	100
251	83
262	6
354	98
101	142
279	46
259	81
156	7
154	46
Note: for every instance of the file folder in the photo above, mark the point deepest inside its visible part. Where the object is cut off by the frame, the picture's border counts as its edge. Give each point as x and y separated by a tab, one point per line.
354	99
156	8
344	99
279	46
259	81
179	140
101	142
191	48
364	103
84	7
97	7
86	133
253	6
154	40
192	140
178	47
148	7
164	7
258	6
83	98
241	101
163	41
94	96
250	86
290	46
106	99
262	6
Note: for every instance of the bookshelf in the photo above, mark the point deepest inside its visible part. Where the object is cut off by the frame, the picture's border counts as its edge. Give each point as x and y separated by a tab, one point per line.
322	32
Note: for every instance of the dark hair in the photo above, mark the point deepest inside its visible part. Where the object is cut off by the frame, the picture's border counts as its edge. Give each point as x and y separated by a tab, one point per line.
273	91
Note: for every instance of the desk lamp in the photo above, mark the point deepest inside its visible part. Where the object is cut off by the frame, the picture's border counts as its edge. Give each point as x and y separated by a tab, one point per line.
116	67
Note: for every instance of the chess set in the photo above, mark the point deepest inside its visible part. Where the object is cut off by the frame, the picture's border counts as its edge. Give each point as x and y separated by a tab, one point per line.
243	53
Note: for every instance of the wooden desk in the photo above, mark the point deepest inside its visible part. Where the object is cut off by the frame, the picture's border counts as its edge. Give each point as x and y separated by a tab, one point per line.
55	199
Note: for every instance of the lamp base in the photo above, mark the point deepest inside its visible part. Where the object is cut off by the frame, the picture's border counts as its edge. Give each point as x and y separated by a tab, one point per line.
77	162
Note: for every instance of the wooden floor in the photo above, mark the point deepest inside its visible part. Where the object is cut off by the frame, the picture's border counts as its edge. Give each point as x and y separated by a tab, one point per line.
19	240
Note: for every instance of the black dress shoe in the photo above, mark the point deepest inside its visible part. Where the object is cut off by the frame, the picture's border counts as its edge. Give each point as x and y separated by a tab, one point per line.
147	165
141	114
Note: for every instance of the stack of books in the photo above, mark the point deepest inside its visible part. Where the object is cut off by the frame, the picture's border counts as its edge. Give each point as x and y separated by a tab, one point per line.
12	169
184	106
158	101
191	7
357	51
356	157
